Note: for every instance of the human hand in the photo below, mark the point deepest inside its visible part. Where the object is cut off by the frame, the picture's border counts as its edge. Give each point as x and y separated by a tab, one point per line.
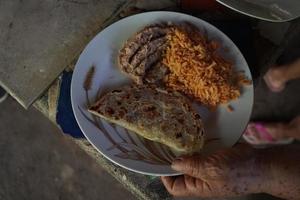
231	172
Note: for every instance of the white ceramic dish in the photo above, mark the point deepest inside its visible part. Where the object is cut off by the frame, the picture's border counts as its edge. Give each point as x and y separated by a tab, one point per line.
223	128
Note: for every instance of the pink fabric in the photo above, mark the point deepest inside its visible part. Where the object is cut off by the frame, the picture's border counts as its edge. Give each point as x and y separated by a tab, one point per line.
264	135
264	132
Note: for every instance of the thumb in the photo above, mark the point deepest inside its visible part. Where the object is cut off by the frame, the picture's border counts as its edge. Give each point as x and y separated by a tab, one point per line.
189	165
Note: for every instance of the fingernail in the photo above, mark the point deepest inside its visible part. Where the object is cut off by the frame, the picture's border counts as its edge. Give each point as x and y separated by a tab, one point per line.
176	162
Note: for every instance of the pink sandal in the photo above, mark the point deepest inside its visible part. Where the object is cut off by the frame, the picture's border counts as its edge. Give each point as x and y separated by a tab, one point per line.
264	137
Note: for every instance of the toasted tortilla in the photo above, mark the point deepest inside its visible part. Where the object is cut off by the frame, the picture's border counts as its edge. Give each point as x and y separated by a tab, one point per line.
159	115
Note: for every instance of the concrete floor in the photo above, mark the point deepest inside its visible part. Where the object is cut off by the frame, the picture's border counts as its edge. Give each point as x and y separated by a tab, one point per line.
38	162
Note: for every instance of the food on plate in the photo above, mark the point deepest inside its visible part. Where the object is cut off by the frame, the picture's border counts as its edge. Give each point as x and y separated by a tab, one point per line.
141	55
182	58
163	116
198	70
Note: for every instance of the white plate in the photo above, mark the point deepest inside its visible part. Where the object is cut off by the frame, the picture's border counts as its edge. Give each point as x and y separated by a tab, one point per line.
223	128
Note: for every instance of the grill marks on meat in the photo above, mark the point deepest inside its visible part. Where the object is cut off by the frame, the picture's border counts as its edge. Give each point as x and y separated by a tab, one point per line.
147	34
148	62
142	52
146	50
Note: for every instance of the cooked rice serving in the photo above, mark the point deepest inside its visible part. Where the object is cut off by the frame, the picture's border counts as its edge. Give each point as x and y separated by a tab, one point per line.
197	70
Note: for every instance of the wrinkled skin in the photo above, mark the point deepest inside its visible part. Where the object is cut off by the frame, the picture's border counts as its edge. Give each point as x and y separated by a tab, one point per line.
238	171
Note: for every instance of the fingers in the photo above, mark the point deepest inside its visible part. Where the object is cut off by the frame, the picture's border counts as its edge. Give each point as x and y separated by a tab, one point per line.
188	165
214	175
175	185
180	185
205	168
214	165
